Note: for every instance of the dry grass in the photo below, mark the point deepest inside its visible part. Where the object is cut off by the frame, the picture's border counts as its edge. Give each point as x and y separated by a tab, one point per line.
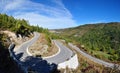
88	66
40	47
51	50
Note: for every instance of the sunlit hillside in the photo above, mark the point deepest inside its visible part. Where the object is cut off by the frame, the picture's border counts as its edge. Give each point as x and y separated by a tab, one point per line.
101	40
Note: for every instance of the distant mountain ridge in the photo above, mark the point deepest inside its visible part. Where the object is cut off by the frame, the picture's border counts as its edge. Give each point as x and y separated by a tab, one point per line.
80	30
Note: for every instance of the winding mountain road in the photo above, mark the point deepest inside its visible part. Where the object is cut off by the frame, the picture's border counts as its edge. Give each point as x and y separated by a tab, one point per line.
63	54
96	60
23	48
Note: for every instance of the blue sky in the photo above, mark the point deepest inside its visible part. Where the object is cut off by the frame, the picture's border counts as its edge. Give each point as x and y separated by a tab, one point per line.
55	14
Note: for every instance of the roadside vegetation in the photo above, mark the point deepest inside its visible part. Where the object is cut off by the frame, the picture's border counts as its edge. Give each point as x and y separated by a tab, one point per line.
19	27
7	64
100	40
88	66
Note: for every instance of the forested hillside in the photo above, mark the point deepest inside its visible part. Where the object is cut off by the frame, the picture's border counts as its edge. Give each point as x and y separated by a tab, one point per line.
101	40
22	27
18	26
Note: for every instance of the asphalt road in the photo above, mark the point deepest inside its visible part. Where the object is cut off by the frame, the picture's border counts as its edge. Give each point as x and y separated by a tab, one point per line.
96	60
24	46
41	65
63	55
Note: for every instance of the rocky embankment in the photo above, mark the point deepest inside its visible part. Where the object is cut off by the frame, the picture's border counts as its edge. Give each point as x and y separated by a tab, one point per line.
18	40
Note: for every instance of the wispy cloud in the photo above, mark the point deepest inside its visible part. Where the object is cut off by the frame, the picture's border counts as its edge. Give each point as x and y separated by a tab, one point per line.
45	15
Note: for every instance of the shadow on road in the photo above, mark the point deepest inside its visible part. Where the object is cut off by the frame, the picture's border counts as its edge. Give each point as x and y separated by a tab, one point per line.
18	56
38	65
